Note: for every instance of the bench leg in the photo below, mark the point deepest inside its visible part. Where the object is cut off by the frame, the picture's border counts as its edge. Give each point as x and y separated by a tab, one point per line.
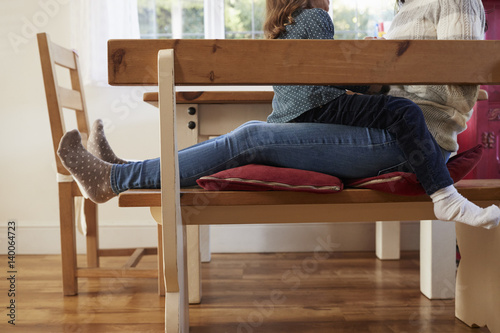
437	259
478	278
387	240
187	137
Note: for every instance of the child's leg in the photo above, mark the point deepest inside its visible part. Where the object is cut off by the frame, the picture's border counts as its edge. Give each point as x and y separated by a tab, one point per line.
345	151
98	145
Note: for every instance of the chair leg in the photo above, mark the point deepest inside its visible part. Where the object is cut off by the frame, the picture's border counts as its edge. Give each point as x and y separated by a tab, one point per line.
92	237
68	239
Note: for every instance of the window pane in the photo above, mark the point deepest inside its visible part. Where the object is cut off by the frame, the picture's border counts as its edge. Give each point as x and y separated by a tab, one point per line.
356	19
192	19
171	18
244	18
163	18
147	18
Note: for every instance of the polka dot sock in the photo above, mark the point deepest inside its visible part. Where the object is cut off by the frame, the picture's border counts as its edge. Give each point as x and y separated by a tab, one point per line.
91	173
449	205
98	146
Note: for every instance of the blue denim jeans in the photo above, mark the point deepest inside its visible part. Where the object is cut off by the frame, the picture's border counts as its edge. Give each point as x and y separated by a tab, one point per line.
343	151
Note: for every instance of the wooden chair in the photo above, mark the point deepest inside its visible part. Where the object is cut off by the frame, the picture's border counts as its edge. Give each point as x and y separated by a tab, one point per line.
58	98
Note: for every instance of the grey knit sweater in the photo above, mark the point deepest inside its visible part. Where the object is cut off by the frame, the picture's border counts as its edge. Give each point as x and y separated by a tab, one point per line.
446	108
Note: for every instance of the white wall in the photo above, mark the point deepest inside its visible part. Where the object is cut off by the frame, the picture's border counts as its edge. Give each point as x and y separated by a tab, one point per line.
28	190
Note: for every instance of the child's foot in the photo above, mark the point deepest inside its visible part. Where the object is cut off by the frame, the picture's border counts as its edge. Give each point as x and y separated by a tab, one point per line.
449	205
98	146
92	174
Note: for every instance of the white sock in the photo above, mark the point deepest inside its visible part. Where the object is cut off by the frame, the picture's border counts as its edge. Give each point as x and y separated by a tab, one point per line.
449	205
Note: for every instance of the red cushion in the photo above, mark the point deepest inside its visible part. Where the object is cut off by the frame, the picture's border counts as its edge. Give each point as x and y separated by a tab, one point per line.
254	177
403	183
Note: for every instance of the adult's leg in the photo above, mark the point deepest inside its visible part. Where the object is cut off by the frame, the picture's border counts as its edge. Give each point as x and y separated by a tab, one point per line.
400	117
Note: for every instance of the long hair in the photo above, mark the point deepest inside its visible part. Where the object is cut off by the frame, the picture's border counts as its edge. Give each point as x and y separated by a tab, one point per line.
279	13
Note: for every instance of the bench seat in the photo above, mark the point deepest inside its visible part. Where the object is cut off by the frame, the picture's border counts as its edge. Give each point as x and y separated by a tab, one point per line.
477	190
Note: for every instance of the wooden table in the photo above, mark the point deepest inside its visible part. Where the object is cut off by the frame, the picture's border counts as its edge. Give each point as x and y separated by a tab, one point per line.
437	238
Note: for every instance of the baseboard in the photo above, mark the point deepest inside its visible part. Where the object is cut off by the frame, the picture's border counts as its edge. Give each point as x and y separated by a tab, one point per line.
223	239
46	240
304	237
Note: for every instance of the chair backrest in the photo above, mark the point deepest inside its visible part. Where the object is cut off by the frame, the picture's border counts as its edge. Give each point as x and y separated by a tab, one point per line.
52	55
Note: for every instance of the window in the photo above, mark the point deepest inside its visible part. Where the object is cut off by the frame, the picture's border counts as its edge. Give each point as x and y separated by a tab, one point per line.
244	19
171	18
361	18
233	19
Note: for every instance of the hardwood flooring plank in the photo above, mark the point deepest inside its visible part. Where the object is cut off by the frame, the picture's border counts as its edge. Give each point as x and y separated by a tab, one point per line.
242	293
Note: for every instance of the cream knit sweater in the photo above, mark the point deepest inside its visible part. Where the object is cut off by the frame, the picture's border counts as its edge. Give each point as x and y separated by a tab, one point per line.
446	108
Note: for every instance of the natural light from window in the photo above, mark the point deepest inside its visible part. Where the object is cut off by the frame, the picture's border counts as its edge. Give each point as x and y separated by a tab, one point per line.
243	19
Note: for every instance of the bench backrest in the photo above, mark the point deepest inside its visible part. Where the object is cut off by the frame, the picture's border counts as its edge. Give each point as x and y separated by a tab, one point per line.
265	62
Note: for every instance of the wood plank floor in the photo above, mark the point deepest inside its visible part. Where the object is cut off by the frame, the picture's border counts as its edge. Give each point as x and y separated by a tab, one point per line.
242	293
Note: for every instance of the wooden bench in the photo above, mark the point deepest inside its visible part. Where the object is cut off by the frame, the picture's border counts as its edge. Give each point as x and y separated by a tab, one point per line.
242	62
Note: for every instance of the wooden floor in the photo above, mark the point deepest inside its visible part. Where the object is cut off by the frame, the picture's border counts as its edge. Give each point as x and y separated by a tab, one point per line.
242	293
